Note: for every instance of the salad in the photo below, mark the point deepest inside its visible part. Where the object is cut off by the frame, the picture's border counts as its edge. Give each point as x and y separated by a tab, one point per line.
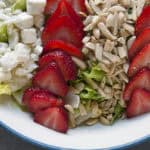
76	62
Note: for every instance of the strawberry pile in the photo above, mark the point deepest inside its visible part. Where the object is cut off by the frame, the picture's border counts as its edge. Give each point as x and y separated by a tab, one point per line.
61	38
137	91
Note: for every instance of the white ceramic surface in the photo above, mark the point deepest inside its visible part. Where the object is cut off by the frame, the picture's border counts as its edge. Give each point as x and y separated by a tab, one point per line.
94	137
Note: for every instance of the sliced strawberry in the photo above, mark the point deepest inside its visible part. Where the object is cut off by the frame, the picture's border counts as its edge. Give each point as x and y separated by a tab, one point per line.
65	9
28	93
140	80
139	103
43	100
143	20
78	5
64	29
142	59
55	118
67	47
142	40
51	6
64	62
51	78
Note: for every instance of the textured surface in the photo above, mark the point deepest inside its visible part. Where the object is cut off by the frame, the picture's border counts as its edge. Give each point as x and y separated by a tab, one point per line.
11	142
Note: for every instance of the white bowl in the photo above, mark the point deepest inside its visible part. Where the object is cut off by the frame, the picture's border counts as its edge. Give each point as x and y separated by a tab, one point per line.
121	134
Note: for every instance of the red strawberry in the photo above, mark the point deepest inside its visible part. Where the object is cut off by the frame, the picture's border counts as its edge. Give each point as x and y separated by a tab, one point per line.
65	9
78	5
139	103
64	62
142	59
142	40
143	20
43	100
140	80
67	47
55	118
28	93
51	78
63	28
51	6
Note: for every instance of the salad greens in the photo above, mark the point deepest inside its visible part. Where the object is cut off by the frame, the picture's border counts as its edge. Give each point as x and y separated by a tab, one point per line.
95	73
19	4
119	110
5	89
3	33
89	94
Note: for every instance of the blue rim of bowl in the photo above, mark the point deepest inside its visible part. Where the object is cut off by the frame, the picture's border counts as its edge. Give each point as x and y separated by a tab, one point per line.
51	147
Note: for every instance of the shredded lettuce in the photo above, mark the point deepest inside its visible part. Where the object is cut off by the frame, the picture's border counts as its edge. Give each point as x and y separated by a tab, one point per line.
17	97
3	33
118	111
5	89
90	94
95	73
19	4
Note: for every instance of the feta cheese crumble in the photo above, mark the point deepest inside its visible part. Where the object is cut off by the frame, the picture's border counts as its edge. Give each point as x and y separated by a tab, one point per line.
35	7
20	53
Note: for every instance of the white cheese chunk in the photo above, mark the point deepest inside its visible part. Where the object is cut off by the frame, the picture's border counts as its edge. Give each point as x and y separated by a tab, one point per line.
24	21
13	35
28	36
35	7
2	4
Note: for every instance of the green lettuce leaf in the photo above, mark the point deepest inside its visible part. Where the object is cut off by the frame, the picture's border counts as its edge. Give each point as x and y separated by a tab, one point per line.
119	110
3	33
5	89
19	4
90	94
95	73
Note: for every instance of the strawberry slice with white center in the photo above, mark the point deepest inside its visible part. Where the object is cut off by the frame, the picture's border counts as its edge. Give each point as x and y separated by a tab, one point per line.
143	21
140	80
51	6
64	62
142	59
63	28
65	9
51	78
43	100
142	40
78	5
139	103
28	93
55	118
53	45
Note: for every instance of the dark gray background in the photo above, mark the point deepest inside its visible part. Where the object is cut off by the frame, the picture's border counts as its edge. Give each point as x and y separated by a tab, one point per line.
11	142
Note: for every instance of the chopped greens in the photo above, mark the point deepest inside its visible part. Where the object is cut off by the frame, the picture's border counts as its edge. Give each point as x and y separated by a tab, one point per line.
18	96
5	89
89	94
19	4
3	33
95	73
119	110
